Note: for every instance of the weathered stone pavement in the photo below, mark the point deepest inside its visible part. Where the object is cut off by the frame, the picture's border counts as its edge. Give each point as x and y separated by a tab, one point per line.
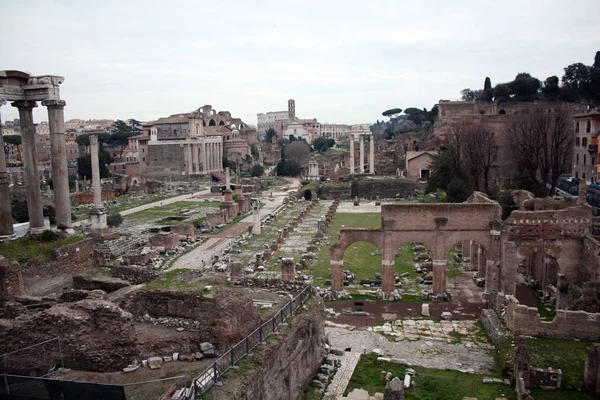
340	381
426	352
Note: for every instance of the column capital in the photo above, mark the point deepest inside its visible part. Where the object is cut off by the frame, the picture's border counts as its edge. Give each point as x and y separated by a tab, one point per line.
54	103
93	139
24	104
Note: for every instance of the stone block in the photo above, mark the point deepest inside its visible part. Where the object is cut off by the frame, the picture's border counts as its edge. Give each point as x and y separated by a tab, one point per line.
155	362
425	310
205	346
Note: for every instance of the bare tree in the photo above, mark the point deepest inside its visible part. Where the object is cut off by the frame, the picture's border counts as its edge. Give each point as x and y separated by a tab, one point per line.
479	153
541	141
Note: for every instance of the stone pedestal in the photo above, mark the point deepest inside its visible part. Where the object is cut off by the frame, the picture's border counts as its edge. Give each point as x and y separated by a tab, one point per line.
32	181
60	174
98	219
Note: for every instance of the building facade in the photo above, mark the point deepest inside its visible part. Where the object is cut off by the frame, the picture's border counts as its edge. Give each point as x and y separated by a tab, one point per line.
585	150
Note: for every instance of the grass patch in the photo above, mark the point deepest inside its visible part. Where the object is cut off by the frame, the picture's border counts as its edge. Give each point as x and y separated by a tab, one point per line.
429	384
26	249
567	355
177	279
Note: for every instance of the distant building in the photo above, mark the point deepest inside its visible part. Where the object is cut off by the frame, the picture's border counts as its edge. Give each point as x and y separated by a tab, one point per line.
418	164
585	150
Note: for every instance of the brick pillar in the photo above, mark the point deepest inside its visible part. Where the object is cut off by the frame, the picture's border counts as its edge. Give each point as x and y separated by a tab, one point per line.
591	375
288	272
439	276
337	274
387	275
482	262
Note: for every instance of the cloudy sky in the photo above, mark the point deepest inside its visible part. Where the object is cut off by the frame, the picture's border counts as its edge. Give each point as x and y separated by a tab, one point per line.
342	61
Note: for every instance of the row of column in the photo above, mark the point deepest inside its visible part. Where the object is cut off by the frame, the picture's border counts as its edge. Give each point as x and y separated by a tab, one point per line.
202	158
62	203
361	162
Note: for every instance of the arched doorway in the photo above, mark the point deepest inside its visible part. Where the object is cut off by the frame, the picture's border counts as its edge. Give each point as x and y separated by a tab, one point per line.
221	123
466	266
212	123
537	282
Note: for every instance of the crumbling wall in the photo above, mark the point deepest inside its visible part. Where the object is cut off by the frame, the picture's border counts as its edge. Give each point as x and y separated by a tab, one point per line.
134	274
590	260
283	368
225	316
523	320
95	335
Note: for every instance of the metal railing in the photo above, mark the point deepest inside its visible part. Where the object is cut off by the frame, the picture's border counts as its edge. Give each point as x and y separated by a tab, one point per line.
203	382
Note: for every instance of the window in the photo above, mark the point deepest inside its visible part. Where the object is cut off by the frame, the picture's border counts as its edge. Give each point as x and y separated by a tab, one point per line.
577	127
584	142
583	175
584	159
577	141
577	159
588	126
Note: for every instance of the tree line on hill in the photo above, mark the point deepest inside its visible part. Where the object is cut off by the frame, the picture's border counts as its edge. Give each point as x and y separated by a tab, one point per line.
580	82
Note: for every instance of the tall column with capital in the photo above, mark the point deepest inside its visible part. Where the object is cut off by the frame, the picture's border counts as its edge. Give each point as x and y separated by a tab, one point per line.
372	154
32	181
97	213
197	157
221	156
351	154
194	163
60	174
6	228
361	155
188	157
204	158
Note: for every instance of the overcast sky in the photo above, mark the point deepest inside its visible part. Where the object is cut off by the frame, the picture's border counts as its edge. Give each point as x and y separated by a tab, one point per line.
342	61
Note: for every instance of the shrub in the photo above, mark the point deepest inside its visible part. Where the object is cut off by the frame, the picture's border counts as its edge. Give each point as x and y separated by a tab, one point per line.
113	220
258	170
48	236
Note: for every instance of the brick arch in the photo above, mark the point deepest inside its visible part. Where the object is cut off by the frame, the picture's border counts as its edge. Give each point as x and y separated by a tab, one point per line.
438	226
350	236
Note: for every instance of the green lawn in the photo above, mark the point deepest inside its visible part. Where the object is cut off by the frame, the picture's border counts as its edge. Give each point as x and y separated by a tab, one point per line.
25	249
428	384
567	355
169	210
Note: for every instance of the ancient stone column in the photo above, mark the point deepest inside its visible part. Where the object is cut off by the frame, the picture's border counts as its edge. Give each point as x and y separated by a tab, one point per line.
256	229
481	262
204	158
351	154
227	179
361	155
439	276
372	155
194	166
32	181
60	173
188	156
6	228
97	213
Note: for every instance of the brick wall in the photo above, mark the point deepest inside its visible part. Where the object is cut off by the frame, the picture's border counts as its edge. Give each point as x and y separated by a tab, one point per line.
523	320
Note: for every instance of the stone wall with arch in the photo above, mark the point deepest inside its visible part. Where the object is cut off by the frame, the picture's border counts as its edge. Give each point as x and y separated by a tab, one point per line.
438	226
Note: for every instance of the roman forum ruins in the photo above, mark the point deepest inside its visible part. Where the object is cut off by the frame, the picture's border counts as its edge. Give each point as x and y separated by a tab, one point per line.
24	91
